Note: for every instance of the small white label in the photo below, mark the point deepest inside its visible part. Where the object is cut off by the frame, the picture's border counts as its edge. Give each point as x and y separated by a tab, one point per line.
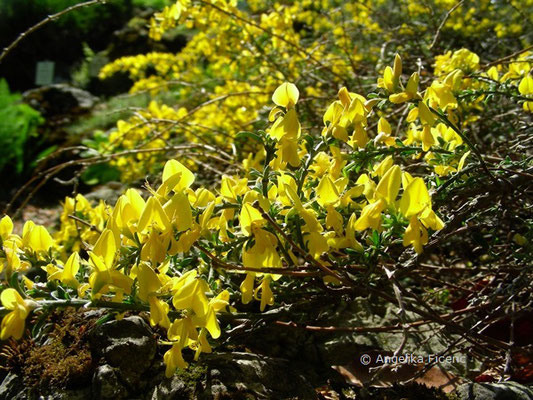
44	73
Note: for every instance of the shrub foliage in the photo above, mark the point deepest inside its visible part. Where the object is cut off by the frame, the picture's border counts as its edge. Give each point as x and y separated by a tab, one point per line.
314	148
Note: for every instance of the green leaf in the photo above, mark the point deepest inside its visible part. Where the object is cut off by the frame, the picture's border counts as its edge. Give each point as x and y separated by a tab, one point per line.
250	135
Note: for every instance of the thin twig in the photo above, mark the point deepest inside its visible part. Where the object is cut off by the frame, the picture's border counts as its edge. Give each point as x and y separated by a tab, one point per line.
507	58
437	34
48	19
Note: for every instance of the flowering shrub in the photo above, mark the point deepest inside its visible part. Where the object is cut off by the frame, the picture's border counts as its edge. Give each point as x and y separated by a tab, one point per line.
323	202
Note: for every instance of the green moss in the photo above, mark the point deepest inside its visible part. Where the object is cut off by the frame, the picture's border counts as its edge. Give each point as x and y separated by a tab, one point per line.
65	361
192	375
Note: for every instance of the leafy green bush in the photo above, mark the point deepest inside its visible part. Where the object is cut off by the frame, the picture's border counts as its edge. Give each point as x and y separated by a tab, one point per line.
17	123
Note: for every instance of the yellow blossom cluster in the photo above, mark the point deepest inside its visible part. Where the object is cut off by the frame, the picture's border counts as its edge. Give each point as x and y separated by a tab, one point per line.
222	81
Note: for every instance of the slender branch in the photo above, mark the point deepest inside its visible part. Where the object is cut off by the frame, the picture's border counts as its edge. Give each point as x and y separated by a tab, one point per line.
507	58
91	226
397	327
437	34
48	19
231	267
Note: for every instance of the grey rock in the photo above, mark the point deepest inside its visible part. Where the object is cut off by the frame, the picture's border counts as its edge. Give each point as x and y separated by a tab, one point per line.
60	99
109	192
127	344
255	376
12	387
80	394
171	389
494	391
107	385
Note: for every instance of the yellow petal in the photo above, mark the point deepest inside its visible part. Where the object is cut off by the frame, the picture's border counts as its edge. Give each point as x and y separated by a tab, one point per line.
397	68
12	326
152	214
38	238
192	296
148	281
154	249
334	219
384	126
415	198
248	216
267	297
286	125
286	95
11	299
106	247
383	166
334	112
247	288
6	227
173	359
178	209
221	301
526	85
412	84
70	270
356	112
327	192
317	244
370	216
389	185
158	312
415	235
136	201
174	167
462	161
425	115
211	324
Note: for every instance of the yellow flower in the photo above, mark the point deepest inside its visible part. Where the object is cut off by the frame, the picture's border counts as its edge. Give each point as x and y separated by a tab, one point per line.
370	216
13	323
67	274
410	91
36	237
247	288
389	185
189	294
173	359
286	126
416	235
415	198
266	293
526	88
6	228
327	192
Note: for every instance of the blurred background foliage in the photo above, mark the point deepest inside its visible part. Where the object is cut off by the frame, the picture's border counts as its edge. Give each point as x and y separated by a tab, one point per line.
92	26
18	122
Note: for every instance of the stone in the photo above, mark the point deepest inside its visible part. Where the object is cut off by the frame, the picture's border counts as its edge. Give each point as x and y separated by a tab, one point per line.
107	385
173	388
109	192
127	344
253	376
64	394
494	391
12	387
59	99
